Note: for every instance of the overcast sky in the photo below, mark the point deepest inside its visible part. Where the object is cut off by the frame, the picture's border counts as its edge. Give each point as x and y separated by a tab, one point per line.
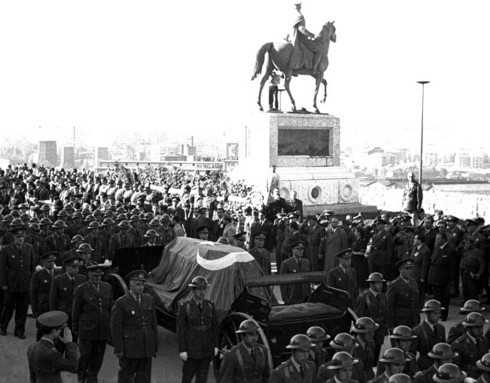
184	67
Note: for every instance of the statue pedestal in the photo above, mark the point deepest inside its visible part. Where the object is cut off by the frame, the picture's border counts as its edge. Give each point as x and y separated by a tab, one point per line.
305	148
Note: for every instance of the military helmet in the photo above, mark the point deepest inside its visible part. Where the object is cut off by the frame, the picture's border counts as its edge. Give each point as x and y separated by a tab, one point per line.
393	355
25	217
44	208
8	218
97	213
135	211
151	234
89	218
34	227
77	238
107	222
76	215
120	210
86	212
121	217
364	324
471	306
134	218
123	225
375	277
484	362
93	225
45	222
85	248
59	224
148	216
474	320
341	360
442	351
400	378
299	341
343	341
402	332
17	223
155	222
449	373
34	220
431	305
248	325
199	282
317	334
63	213
15	213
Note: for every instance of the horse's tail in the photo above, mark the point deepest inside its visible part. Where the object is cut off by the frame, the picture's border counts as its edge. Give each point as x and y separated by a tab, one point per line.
259	61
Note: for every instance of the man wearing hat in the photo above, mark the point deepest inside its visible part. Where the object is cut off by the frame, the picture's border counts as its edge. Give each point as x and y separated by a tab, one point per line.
440	354
343	277
364	329
261	255
63	287
197	332
421	254
297	368
262	225
438	276
428	333
150	238
394	361
120	240
295	293
17	265
314	238
45	361
342	365
412	197
402	337
470	306
335	241
247	361
57	242
472	269
98	242
317	354
91	316
134	330
200	221
402	298
382	249
484	365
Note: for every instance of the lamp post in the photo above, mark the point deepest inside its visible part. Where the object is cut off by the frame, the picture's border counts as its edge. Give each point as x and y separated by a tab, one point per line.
422	131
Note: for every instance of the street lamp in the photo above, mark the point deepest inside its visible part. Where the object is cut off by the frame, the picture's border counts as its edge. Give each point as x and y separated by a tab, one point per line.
422	131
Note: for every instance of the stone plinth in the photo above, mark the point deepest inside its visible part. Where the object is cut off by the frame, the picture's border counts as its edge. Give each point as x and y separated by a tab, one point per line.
68	157
47	153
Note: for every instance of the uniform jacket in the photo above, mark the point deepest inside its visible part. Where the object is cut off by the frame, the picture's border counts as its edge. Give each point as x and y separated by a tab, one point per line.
238	365
382	248
197	331
412	197
56	243
383	378
368	305
119	241
455	332
410	366
62	291
402	301
100	244
346	281
425	376
473	261
366	355
199	222
263	257
426	339
421	259
335	241
16	267
287	373
46	363
470	353
39	290
314	237
440	266
134	327
294	293
265	227
319	357
91	313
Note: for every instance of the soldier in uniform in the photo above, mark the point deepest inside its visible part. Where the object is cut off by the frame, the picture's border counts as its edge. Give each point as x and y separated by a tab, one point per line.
98	242
440	354
197	332
297	368
260	253
382	249
120	240
484	365
439	276
314	238
247	362
343	277
57	242
91	316
470	306
317	354
364	329
400	378
472	268
428	333
150	238
372	303
402	298
45	361
134	331
342	364
449	373
394	360
472	345
295	293
16	268
402	338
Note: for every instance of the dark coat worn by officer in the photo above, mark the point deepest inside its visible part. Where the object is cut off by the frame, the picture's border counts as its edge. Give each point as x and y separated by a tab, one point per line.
383	378
294	293
344	280
288	373
374	307
197	330
16	267
240	366
318	357
365	353
425	376
62	291
119	241
470	351
91	312
426	339
314	238
39	291
402	300
56	243
382	250
262	256
134	327
410	368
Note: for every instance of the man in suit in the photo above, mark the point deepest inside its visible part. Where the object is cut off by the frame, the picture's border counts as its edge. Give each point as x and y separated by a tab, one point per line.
438	276
63	288
45	361
343	277
314	238
197	332
402	298
134	331
265	226
295	293
16	268
335	242
247	361
218	224
261	255
296	205
91	315
428	333
440	354
421	259
472	269
297	368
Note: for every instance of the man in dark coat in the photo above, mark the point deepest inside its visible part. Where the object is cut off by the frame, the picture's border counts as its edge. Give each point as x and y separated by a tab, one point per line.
295	293
382	249
440	354
265	226
197	333
261	255
296	205
57	242
364	329
412	197
16	268
341	364
343	277
91	315
314	238
335	242
420	254
134	331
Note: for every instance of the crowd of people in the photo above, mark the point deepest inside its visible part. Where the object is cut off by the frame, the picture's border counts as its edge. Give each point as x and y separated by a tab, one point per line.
61	229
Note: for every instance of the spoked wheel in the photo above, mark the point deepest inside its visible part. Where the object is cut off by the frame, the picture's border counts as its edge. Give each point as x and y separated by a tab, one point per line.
228	338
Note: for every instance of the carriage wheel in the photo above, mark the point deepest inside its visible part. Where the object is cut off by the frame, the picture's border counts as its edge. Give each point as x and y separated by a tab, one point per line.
119	287
228	338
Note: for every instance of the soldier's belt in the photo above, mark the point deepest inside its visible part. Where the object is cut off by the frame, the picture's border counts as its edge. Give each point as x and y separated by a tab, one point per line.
200	328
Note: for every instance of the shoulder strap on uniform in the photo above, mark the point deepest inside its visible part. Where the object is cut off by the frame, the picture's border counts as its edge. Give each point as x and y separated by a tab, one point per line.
424	335
187	309
240	361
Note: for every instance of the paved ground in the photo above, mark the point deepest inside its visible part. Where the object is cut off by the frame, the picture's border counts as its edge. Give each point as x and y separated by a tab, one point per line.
166	367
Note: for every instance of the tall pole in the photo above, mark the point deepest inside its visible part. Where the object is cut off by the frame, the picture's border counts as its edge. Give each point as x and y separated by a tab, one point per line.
422	131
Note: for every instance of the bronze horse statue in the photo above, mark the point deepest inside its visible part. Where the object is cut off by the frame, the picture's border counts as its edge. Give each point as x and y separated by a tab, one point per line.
280	56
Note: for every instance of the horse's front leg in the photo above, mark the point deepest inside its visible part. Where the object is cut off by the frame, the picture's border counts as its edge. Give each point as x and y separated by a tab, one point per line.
262	83
286	86
324	82
317	86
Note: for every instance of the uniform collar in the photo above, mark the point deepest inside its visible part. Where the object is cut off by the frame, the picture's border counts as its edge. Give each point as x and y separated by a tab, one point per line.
295	364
